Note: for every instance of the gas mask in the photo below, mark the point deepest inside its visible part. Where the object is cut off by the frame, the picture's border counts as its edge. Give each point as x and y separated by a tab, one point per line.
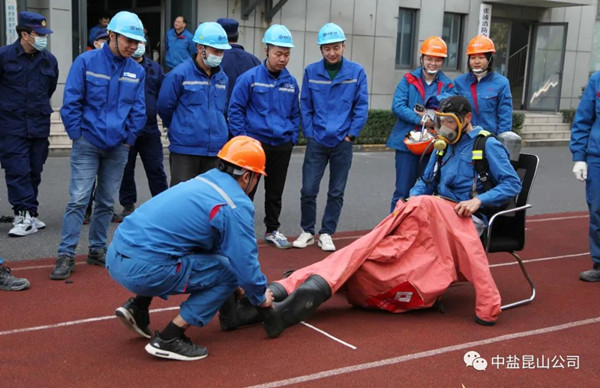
444	124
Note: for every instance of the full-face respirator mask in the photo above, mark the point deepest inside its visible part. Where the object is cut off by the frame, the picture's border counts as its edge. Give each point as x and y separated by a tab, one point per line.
449	129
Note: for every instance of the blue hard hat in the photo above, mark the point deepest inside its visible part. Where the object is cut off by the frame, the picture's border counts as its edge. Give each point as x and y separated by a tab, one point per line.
229	25
278	35
35	21
330	33
127	24
213	35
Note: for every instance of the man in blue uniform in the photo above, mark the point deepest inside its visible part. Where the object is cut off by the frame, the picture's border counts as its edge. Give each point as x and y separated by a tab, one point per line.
235	61
192	106
450	172
179	44
28	77
103	21
264	105
334	108
585	147
103	110
207	251
148	143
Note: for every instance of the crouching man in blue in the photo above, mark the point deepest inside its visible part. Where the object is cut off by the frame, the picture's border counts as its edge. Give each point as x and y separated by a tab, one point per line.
207	256
450	172
103	110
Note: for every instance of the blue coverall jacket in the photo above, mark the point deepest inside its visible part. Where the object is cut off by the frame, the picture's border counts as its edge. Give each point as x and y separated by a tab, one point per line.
27	81
457	173
585	131
264	107
154	78
411	90
104	99
192	106
179	47
334	109
490	99
193	217
235	63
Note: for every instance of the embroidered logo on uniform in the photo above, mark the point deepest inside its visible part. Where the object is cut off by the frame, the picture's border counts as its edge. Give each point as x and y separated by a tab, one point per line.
130	75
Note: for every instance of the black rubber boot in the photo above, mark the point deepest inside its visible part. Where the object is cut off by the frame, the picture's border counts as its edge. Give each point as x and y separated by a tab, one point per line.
235	313
297	307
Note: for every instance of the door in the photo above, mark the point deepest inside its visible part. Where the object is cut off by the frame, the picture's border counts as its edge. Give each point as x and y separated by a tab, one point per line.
546	68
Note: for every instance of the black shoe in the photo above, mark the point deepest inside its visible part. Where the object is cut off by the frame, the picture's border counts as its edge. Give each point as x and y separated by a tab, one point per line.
96	257
135	318
8	282
127	210
591	275
63	268
181	349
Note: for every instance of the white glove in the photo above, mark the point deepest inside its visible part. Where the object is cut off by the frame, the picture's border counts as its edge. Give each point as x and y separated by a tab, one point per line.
580	171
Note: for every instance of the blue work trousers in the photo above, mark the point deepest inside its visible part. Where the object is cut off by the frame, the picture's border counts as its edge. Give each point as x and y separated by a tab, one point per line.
315	161
87	162
150	149
207	278
23	161
592	196
407	173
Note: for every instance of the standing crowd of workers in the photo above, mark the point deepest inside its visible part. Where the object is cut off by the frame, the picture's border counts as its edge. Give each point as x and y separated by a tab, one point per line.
231	119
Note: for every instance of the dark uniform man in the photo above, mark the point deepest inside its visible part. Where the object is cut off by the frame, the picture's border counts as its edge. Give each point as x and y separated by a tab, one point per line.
148	144
28	76
235	61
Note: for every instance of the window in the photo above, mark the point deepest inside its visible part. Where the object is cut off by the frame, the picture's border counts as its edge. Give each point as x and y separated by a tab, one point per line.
451	33
406	37
595	62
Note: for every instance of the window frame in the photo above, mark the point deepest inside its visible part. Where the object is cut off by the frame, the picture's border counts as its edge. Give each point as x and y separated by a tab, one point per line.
459	43
402	11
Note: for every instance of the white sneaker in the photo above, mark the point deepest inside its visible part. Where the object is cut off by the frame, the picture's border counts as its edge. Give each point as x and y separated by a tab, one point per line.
326	243
39	224
22	225
305	239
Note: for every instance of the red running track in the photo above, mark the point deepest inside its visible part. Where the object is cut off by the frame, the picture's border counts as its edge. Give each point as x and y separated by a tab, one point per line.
64	334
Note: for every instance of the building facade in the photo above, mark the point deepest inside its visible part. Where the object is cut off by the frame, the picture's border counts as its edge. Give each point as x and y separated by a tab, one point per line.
547	48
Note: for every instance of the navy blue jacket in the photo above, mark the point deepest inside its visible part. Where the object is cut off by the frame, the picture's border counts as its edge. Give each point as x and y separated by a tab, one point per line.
235	62
154	78
27	81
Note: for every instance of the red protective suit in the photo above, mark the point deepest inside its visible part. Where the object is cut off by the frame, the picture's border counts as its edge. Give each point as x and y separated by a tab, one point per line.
409	260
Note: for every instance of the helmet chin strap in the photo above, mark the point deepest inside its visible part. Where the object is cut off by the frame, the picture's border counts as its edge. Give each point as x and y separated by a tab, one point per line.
117	45
247	189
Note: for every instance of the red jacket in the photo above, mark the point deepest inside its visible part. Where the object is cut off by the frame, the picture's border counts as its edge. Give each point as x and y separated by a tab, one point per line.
409	260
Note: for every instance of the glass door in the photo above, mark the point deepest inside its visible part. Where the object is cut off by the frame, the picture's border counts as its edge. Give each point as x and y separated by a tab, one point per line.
545	72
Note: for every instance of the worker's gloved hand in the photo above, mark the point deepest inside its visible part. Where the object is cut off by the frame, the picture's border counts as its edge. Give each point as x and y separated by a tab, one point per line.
580	171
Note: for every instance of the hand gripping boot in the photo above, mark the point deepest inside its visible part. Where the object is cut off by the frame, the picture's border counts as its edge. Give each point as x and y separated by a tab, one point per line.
297	307
235	313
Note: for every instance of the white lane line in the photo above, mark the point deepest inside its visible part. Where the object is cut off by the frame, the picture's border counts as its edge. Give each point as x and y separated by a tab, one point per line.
326	334
77	322
559	218
428	353
492	265
541	259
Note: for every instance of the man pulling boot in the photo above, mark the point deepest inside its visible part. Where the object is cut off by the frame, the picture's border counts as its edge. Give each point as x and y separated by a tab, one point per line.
285	312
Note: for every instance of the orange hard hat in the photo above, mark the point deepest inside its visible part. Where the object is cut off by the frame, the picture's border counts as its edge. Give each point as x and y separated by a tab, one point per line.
245	152
481	44
418	148
434	46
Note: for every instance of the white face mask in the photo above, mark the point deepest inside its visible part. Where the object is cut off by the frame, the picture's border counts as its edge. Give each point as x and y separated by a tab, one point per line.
141	50
212	60
431	72
40	42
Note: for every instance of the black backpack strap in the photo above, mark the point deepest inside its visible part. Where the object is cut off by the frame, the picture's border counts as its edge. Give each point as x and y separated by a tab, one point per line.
480	163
